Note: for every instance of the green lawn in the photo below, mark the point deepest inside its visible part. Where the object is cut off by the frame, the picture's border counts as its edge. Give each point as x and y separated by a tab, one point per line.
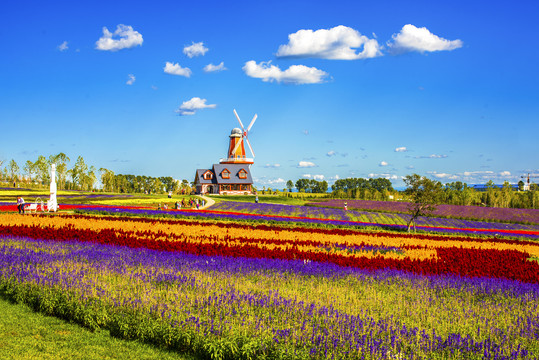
25	334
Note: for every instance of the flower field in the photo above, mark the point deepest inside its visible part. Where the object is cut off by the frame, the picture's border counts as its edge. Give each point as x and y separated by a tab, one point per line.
453	211
226	290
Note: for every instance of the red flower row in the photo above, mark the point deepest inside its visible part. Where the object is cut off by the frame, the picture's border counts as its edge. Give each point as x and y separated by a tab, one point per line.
509	264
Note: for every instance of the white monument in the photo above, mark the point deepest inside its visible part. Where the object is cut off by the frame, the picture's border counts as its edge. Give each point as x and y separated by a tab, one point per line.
52	204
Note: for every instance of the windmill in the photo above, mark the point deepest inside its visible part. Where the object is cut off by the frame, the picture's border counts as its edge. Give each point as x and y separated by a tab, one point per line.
236	148
527	185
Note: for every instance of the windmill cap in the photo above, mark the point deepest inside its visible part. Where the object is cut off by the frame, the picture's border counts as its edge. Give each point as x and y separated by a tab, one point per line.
235	131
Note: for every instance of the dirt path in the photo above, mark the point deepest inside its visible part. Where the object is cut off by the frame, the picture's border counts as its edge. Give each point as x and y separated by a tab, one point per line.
207	202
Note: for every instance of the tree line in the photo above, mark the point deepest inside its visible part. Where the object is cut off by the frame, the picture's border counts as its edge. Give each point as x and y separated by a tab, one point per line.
85	177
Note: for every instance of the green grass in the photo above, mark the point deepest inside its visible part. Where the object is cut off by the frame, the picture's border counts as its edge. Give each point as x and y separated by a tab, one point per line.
297	199
25	334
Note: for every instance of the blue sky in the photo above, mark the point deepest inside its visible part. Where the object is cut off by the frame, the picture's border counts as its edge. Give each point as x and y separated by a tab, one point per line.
341	89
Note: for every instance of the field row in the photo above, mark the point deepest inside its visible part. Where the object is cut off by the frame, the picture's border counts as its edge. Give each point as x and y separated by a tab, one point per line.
283	293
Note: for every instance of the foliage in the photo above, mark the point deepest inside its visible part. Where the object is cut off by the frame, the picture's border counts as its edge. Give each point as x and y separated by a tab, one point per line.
424	195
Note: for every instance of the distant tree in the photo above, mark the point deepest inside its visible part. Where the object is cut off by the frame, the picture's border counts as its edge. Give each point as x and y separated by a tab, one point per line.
13	170
289	185
107	179
29	169
302	185
424	194
60	160
42	169
78	173
521	185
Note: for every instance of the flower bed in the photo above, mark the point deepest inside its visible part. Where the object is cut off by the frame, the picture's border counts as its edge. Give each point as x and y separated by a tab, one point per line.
229	290
453	211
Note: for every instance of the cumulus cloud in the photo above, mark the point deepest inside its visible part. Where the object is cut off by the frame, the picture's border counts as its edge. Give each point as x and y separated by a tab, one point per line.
273	166
63	46
123	38
215	68
306	164
190	107
444	175
412	38
276	181
196	49
176	69
318	177
295	74
338	43
130	79
383	163
505	173
331	153
401	149
384	175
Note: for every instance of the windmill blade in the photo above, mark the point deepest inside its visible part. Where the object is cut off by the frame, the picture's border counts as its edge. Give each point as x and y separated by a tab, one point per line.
252	122
237	117
248	143
236	147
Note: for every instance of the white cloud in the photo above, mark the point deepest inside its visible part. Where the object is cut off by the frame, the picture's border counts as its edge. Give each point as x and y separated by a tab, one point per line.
125	37
215	68
196	49
331	153
383	163
338	43
505	174
432	156
308	176
333	178
191	106
176	69
318	177
274	166
63	46
412	38
444	175
130	79
385	176
401	149
306	164
276	181
295	74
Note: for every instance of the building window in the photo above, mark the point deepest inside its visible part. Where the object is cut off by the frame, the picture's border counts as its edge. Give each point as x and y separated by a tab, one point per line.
242	174
225	174
207	175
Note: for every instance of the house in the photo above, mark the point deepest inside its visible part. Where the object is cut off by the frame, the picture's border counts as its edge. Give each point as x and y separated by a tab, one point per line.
224	179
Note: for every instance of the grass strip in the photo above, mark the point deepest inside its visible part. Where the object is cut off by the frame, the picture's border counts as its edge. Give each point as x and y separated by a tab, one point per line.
25	334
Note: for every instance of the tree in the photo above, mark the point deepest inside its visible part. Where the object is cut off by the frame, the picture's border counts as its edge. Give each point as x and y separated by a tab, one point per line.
302	185
289	185
60	160
107	179
42	168
29	169
424	195
13	170
78	173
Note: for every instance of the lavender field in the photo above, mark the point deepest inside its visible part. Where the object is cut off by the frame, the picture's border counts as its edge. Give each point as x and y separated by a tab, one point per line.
453	211
369	217
229	308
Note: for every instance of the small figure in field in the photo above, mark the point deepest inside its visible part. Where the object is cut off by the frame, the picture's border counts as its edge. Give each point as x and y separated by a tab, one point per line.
256	199
159	206
197	204
20	204
165	207
203	202
345	206
177	205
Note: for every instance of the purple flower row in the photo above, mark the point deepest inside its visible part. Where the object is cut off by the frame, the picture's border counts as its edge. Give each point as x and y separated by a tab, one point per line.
455	211
321	330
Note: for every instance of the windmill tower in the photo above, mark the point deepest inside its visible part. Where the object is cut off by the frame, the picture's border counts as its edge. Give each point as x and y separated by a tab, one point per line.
236	147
